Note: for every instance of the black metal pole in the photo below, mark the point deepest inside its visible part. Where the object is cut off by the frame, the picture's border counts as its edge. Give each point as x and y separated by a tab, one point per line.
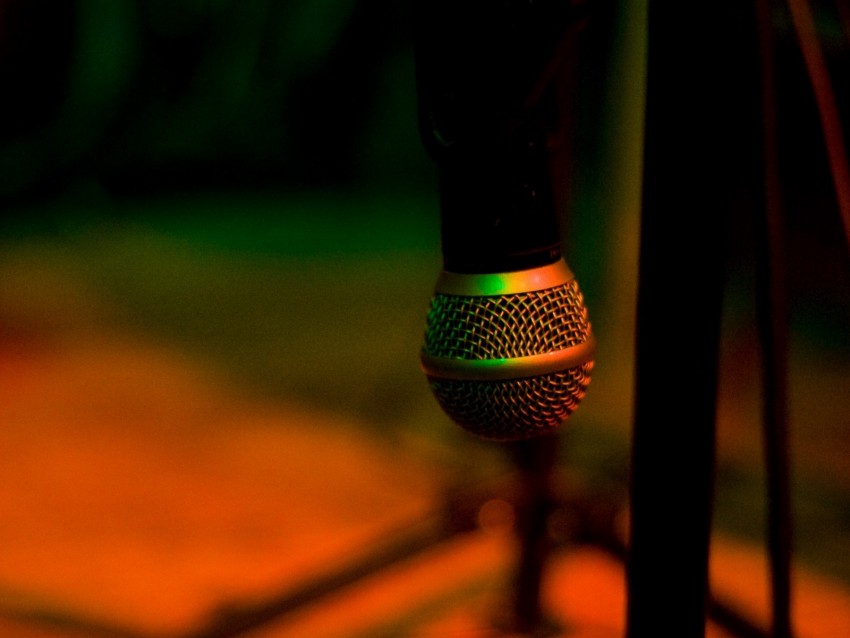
698	161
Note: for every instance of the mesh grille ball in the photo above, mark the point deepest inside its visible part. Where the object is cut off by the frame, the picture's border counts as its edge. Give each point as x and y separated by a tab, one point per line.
483	333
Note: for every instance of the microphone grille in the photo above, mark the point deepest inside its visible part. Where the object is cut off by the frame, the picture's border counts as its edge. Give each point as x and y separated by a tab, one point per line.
506	326
487	328
513	409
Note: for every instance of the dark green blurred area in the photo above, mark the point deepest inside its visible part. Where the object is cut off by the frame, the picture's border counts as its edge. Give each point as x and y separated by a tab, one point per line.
156	95
210	165
243	181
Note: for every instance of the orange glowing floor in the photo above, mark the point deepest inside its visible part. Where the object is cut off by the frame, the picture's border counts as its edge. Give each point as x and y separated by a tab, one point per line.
139	497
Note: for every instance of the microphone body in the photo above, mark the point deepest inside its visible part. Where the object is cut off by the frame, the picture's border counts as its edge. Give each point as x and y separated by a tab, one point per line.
508	348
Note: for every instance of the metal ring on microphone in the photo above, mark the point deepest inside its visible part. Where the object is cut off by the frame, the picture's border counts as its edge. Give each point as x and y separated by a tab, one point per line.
507	283
513	368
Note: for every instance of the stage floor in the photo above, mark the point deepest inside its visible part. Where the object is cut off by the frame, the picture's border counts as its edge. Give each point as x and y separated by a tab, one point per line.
140	495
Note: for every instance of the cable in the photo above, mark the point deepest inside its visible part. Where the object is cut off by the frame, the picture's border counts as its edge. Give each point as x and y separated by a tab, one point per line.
804	26
771	315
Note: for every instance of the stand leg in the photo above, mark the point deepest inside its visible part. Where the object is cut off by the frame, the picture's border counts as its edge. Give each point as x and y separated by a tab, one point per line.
535	461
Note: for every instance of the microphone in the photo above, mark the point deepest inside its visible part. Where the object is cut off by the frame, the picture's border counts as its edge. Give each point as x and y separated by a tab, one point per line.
508	346
508	355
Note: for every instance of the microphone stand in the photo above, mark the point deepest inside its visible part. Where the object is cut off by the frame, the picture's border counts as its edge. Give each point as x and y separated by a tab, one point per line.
692	155
725	99
534	461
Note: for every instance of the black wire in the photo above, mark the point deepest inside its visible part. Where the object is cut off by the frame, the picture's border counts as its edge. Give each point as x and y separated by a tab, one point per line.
771	315
825	99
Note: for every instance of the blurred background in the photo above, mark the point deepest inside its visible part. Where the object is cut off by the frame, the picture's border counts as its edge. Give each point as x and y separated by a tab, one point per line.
235	193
